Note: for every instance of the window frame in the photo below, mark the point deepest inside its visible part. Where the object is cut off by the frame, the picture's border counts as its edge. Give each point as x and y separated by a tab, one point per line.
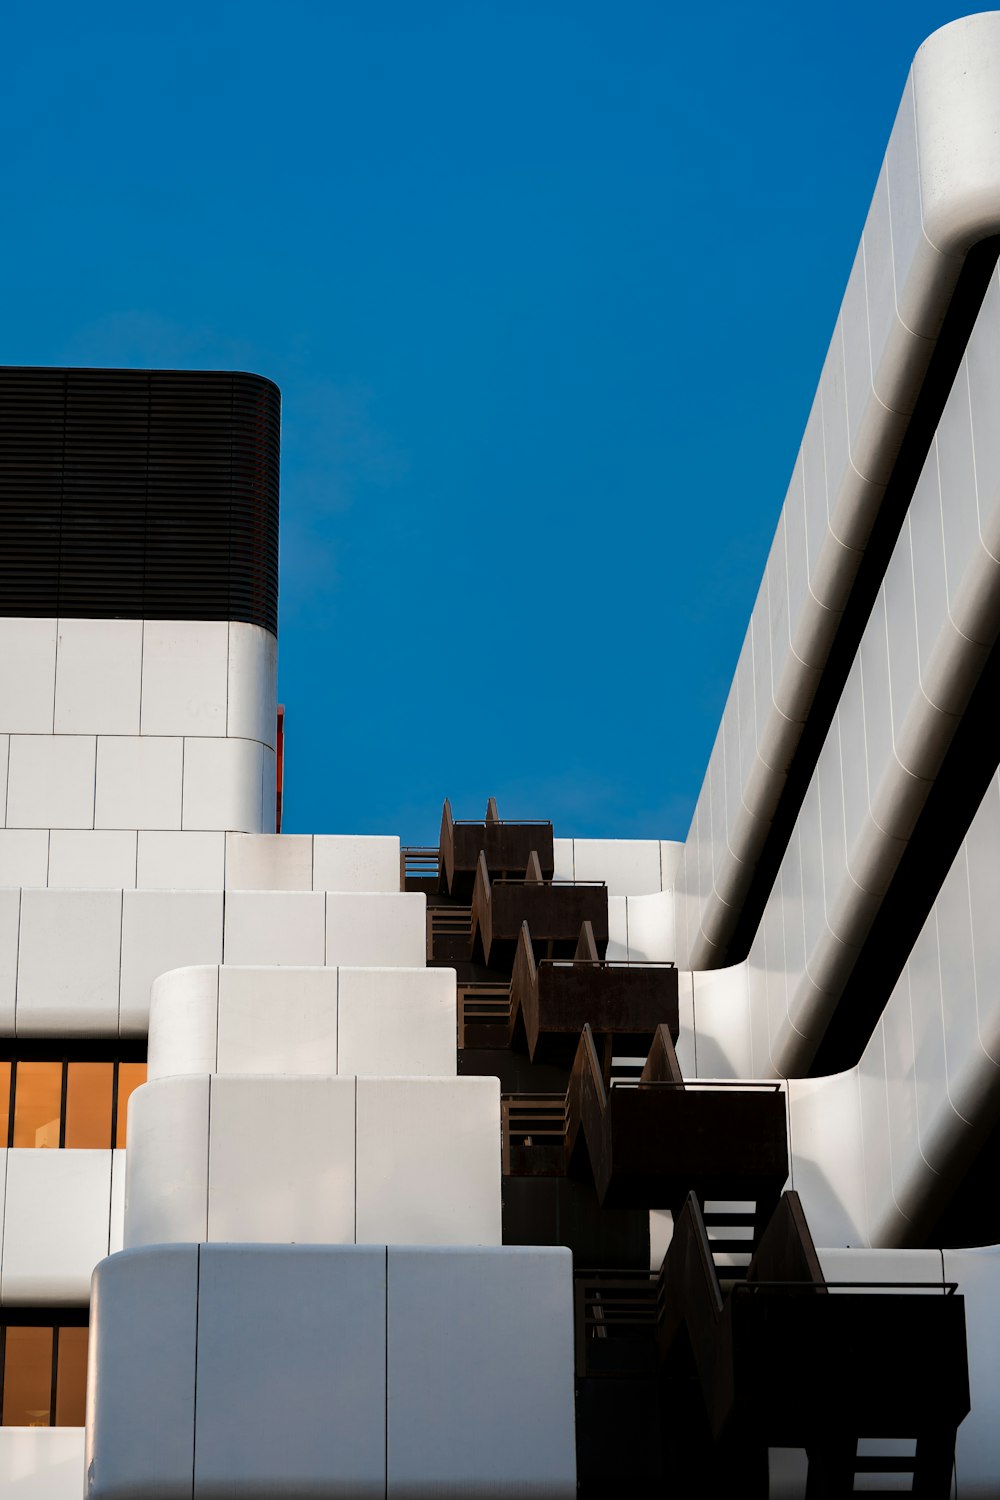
86	1049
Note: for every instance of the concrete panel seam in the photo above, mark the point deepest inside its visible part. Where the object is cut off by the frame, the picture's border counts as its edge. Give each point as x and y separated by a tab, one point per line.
208	1147
111	1192
55	675
17	979
121	949
194	1401
386	1418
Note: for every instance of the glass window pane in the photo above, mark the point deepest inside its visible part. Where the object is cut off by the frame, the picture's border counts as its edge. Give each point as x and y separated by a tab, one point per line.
71	1378
37	1101
4	1101
27	1377
130	1076
89	1088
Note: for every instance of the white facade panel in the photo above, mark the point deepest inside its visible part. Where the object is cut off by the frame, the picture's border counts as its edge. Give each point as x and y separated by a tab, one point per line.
721	1018
166	1164
564	866
98	677
253	684
617	928
343	862
825	1148
27	675
376	929
976	1272
269	862
10	918
139	782
293	1399
127	1454
163	930
180	861
185	666
982	850
116	1225
184	1022
50	781
282	1161
90	859
397	1022
651	928
24	857
983	377
917	266
222	785
268	790
629	867
41	1463
68	963
503	1367
428	1161
56	1225
278	1021
670	857
275	927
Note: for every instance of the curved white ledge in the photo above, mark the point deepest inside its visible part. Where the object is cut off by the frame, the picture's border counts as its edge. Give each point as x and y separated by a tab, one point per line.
938	193
303	1022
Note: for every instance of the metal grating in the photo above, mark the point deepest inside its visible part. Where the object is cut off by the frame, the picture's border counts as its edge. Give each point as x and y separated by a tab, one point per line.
149	494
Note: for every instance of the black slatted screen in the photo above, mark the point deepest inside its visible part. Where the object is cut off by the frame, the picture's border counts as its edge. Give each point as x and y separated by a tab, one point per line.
144	494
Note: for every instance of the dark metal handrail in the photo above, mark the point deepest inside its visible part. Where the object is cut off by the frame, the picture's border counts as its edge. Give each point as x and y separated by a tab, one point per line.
946	1288
502	822
693	1085
600	963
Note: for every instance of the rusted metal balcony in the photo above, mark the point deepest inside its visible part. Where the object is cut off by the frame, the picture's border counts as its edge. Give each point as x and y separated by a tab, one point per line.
652	1142
506	846
784	1359
552	1000
791	1360
555	911
649	1143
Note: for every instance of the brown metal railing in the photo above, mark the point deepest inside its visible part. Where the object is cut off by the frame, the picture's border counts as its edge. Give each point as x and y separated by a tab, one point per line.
484	1005
447	922
614	1306
417	863
532	1122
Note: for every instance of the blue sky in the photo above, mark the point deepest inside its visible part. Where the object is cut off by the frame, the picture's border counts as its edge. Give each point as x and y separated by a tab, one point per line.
546	286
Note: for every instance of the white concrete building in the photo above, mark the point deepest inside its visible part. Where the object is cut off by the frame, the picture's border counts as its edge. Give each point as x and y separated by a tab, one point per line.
342	1255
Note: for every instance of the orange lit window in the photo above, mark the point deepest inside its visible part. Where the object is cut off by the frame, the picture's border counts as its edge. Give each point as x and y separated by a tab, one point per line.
90	1088
71	1378
5	1067
130	1076
37	1103
27	1377
44	1372
79	1101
